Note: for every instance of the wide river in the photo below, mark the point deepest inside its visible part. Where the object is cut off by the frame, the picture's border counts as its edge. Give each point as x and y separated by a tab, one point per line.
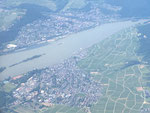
56	52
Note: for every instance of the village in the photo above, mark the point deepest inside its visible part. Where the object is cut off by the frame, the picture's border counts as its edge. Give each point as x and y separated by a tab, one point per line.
63	83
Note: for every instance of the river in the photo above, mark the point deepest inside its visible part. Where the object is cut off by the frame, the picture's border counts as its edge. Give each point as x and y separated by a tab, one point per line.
59	50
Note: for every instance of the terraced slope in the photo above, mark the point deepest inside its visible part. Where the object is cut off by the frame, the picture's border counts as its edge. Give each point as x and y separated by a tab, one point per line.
115	64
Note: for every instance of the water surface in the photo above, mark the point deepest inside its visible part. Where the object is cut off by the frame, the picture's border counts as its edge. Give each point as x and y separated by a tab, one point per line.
57	51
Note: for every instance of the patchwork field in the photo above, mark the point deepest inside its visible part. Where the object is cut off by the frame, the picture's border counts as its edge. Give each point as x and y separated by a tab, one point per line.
114	63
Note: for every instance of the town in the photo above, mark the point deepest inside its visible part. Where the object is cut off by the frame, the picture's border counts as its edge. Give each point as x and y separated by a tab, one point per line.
56	26
64	83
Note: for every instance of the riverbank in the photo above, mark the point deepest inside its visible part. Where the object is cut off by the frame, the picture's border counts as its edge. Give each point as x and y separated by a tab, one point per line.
59	50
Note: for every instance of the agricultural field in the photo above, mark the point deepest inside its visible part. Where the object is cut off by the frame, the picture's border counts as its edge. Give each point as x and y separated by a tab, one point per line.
49	109
115	64
9	87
